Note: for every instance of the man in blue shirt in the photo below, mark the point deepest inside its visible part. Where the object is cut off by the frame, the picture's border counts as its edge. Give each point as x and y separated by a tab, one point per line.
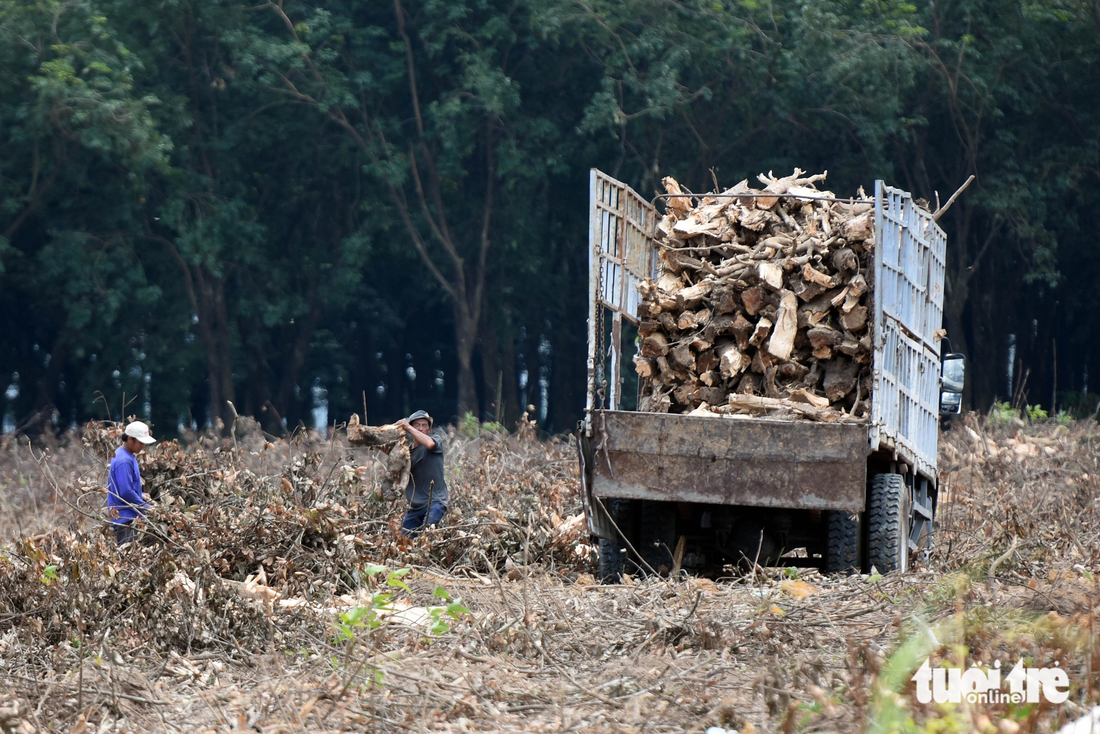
125	502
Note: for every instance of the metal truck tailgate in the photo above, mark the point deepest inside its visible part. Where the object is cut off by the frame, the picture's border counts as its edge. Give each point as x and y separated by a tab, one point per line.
729	461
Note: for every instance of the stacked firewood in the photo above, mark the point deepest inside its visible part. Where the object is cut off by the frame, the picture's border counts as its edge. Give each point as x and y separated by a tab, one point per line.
762	304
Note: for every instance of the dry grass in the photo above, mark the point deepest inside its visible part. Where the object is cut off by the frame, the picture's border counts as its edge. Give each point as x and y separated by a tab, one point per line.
181	635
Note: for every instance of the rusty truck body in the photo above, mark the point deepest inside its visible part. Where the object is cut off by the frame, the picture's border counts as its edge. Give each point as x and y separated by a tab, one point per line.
671	491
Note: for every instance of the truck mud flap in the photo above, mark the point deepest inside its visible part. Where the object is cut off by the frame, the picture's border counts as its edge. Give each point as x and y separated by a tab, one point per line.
595	515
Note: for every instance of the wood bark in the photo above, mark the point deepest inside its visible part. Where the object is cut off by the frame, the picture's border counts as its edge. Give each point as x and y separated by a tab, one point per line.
761	304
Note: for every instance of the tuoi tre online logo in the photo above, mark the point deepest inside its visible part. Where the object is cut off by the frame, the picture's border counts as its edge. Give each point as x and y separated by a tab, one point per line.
979	685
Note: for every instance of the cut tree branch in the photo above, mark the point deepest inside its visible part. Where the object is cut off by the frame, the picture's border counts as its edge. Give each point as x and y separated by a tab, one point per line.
943	209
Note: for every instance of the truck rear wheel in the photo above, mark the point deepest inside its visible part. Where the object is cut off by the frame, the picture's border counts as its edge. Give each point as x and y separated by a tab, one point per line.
842	542
611	561
613	552
888	521
657	536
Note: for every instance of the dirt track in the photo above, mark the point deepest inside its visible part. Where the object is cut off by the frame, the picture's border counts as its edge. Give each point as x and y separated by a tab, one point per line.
543	647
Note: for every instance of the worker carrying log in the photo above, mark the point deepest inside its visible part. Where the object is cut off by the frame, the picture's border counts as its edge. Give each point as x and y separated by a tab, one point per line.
427	489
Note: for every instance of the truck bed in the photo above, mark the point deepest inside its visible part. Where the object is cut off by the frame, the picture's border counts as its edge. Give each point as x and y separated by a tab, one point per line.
730	461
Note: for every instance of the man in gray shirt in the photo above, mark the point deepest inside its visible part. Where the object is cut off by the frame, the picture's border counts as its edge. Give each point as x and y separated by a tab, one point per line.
427	490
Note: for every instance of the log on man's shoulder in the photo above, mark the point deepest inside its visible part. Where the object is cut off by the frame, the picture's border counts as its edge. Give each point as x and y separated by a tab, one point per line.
377	436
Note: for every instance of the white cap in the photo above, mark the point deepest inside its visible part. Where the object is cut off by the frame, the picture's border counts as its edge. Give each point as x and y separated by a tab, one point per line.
140	431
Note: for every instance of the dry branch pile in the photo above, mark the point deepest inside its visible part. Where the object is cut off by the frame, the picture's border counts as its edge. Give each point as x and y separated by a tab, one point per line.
763	303
234	525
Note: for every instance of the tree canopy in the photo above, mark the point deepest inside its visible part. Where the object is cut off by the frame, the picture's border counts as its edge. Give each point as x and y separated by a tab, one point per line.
217	208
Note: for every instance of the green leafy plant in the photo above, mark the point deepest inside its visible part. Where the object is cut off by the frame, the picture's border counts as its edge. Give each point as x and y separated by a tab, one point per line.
470	427
49	574
1036	413
453	609
1002	412
371	616
368	617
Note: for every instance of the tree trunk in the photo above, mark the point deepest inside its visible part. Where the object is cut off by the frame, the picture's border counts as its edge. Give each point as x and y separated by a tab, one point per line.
491	376
297	359
466	337
208	300
45	404
512	407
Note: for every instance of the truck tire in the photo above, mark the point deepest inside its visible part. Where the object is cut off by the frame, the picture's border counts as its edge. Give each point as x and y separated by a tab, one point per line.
888	520
611	562
613	552
842	543
657	536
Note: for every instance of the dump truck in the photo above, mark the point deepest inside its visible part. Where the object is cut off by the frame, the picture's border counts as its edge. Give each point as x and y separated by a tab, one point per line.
667	492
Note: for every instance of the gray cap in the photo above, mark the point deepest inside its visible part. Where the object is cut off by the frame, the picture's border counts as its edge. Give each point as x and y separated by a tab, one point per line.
421	414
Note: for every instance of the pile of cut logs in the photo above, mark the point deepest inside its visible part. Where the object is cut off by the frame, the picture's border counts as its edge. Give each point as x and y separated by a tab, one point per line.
762	304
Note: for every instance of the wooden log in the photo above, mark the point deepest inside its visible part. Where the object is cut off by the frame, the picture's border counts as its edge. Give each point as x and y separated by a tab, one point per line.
849	346
771	389
840	378
765	404
720	326
786	325
742	328
670	283
805	396
730	360
678	205
823	336
682	358
845	260
706	360
854	319
813	313
679	262
750	384
374	436
711	395
645	367
691	320
805	290
684	394
859	228
770	274
655	403
724	299
761	361
699	344
754	299
789	371
760	333
694	295
655	345
816	276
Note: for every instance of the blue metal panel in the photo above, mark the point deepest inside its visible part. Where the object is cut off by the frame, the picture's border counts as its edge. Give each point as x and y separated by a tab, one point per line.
621	255
908	290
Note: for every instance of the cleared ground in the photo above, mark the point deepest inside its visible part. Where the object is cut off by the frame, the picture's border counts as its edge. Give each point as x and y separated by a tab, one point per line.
242	615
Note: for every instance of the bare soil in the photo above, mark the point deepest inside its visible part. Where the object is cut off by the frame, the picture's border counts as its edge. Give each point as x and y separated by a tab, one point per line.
237	612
